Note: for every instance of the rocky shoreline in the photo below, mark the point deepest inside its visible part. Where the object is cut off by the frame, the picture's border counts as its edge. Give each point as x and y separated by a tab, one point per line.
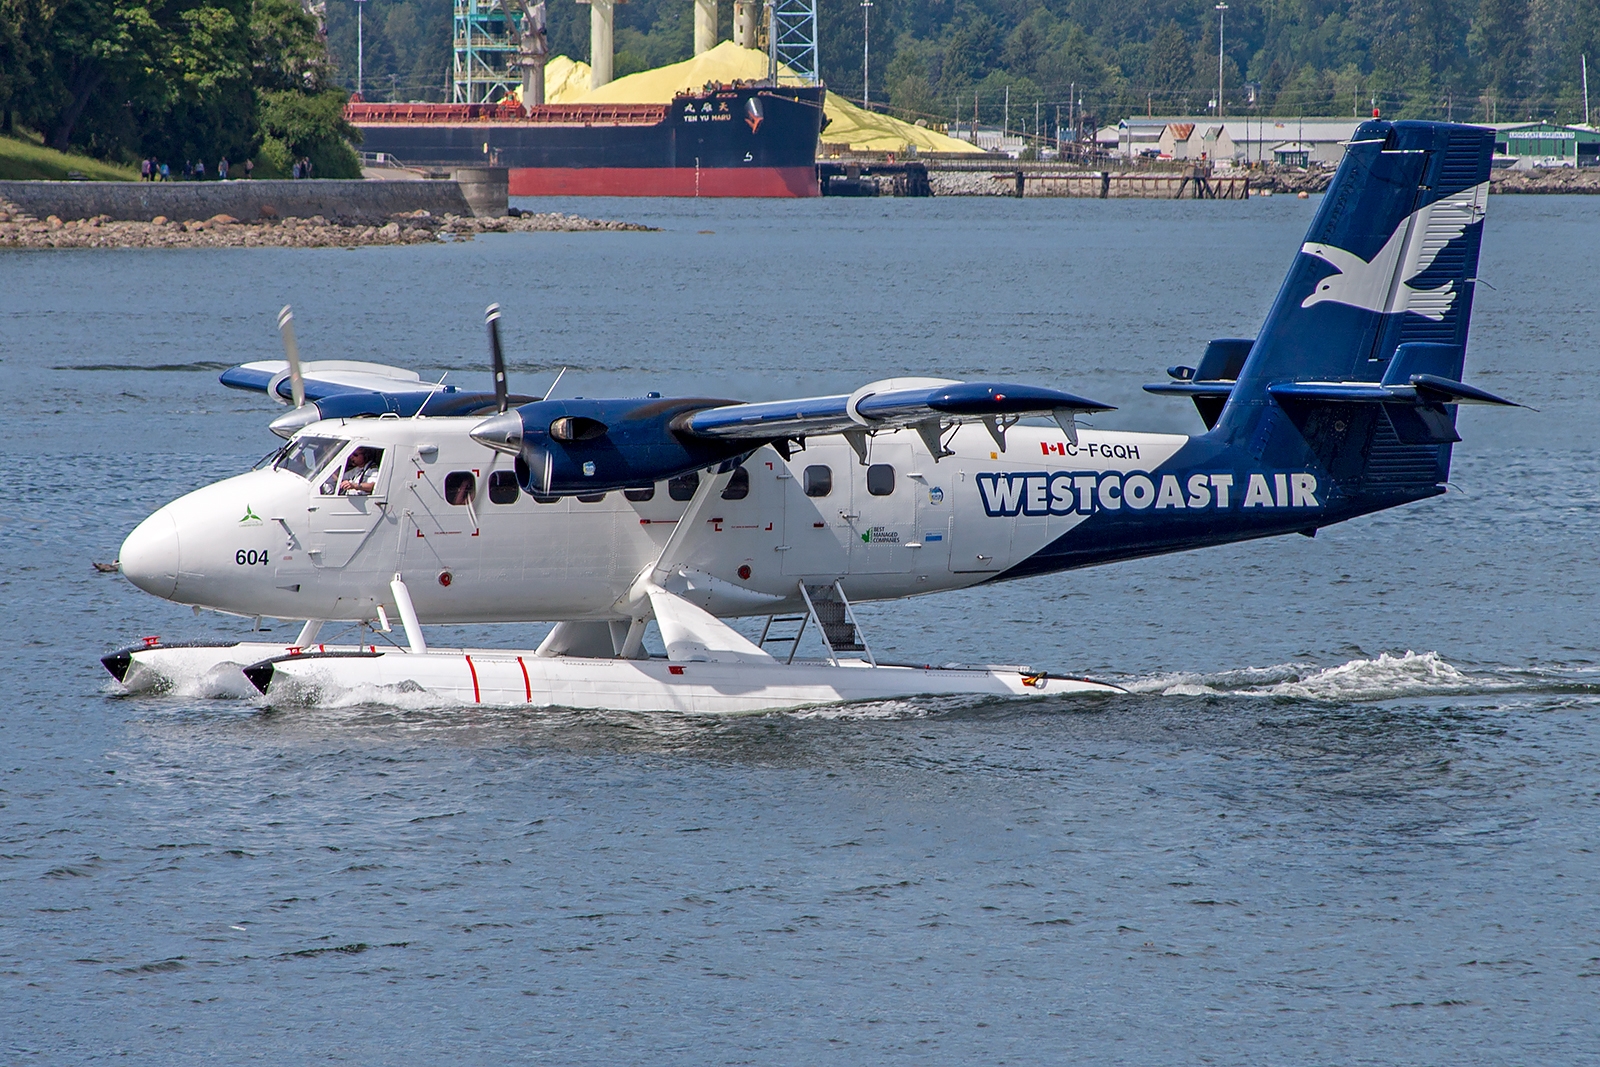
1289	182
1552	181
20	230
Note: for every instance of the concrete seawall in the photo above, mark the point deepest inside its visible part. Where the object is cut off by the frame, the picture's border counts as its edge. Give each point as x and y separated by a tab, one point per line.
247	201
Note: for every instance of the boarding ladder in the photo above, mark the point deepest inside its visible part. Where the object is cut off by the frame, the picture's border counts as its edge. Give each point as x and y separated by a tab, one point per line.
830	609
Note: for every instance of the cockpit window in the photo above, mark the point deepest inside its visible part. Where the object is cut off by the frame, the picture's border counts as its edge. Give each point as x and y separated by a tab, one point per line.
358	476
306	456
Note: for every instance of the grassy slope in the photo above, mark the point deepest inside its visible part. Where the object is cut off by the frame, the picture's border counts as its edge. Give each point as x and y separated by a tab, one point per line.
21	160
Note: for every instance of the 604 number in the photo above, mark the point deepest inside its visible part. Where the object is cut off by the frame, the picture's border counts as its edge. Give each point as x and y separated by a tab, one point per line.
249	557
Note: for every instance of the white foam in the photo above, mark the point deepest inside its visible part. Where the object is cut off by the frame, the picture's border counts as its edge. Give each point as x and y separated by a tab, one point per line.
1385	677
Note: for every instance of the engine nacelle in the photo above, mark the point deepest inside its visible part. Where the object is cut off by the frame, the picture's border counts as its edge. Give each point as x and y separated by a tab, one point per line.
571	447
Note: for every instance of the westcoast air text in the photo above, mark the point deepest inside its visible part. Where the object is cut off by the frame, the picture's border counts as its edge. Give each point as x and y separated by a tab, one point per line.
1086	492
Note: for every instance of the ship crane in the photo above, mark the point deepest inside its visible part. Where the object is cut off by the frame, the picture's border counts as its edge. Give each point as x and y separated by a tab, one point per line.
496	46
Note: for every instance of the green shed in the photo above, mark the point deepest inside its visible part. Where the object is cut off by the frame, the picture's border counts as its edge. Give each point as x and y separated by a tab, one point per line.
1564	145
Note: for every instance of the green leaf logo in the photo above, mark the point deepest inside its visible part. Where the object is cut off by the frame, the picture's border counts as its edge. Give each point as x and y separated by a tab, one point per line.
250	515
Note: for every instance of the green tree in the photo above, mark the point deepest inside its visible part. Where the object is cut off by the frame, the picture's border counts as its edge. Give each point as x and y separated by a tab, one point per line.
1499	41
296	125
1168	69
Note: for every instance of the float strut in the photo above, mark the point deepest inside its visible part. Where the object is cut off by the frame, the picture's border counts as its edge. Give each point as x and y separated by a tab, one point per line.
408	615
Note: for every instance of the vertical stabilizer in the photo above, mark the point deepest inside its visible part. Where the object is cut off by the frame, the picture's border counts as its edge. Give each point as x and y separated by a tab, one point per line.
1391	258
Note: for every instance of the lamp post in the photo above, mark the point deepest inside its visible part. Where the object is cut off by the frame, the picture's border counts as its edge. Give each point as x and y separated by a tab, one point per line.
359	57
866	32
1222	15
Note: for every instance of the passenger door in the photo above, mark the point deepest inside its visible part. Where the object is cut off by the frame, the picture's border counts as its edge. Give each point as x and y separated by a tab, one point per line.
883	514
817	533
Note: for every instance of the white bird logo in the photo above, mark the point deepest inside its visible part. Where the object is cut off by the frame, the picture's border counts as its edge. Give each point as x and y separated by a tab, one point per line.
1383	283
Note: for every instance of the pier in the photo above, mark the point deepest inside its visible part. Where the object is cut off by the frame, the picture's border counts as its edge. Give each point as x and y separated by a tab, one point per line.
1004	177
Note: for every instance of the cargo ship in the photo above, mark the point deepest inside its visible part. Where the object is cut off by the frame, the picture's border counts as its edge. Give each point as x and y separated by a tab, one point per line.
726	140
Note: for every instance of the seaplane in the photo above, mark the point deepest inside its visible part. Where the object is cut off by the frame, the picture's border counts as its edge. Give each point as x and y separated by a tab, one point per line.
398	501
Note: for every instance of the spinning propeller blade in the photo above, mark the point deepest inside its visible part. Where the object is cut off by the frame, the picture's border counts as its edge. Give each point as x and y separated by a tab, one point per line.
491	319
291	352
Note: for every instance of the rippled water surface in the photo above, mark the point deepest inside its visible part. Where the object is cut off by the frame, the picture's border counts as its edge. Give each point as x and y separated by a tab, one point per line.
1346	815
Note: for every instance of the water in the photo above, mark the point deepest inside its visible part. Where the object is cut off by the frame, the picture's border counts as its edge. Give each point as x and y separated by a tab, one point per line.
1346	815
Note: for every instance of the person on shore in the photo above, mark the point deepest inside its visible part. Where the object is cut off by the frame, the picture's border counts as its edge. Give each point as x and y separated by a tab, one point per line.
200	171
166	173
249	169
296	170
144	169
222	169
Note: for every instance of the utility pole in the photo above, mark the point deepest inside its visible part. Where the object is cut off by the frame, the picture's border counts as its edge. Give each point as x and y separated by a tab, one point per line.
1222	15
866	35
1072	113
1585	90
360	5
1005	116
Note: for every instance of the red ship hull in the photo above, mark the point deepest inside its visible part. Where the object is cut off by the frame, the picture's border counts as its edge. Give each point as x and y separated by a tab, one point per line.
664	181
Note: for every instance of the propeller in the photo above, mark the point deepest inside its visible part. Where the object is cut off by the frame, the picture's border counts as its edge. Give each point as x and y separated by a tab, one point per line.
503	430
291	352
502	397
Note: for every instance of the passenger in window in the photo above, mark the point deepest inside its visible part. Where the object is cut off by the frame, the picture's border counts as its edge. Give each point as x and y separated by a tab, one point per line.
361	472
459	488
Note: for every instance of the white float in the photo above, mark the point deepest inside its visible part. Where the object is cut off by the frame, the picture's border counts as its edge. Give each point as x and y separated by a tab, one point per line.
709	669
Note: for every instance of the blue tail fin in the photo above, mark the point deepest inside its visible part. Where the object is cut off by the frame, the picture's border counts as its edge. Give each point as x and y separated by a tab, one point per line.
1391	258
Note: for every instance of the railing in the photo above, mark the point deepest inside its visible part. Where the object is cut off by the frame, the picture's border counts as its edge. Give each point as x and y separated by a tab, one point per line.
544	114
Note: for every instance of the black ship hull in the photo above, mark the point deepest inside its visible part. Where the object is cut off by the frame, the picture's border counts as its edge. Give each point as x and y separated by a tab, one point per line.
735	141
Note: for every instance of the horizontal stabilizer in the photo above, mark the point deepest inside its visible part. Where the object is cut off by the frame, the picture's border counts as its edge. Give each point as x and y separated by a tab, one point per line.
1210	384
1214	389
1421	389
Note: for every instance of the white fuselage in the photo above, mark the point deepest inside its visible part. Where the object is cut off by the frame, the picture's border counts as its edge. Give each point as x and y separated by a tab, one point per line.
278	543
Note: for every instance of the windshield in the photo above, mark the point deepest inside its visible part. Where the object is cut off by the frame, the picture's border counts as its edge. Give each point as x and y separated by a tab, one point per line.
306	456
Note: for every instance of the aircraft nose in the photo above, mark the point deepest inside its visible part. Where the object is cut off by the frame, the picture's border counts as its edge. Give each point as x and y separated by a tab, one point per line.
150	555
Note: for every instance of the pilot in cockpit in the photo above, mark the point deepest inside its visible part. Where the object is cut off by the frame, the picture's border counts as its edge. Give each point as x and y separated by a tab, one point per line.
360	471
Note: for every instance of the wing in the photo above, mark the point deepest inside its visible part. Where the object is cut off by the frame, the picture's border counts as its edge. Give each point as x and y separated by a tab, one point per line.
325	378
926	404
340	388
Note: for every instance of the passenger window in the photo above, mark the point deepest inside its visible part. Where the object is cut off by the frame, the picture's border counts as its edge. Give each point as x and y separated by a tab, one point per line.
592	498
360	474
460	487
818	480
503	487
880	479
683	488
641	494
738	486
541	498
